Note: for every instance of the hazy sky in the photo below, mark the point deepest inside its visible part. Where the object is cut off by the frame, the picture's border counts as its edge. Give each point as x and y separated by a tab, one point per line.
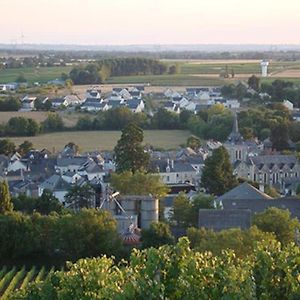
113	22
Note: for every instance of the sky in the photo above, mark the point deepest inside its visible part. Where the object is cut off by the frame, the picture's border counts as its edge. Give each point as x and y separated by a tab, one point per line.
125	22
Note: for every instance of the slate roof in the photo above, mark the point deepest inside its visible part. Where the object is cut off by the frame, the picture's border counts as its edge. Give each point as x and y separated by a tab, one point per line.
55	182
217	219
178	166
67	161
133	103
244	191
275	159
259	205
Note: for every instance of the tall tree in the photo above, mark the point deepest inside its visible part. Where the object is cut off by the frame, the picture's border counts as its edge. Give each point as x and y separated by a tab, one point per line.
193	142
80	197
7	147
129	152
217	177
25	147
6	204
157	235
254	82
280	136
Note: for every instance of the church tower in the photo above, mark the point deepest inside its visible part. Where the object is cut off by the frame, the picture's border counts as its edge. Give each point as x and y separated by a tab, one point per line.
235	144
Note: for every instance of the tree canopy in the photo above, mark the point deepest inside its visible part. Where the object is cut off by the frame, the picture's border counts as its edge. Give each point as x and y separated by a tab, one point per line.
217	176
129	151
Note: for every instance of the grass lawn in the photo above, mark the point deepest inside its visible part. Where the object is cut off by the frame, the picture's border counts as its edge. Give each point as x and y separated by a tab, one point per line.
103	140
42	74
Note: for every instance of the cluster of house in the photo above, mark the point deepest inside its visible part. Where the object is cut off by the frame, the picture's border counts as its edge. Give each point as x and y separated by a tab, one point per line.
119	97
197	98
93	100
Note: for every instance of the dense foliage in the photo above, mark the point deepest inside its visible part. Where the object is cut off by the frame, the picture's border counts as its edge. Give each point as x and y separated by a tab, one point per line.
129	151
45	204
102	70
139	183
217	176
177	272
65	236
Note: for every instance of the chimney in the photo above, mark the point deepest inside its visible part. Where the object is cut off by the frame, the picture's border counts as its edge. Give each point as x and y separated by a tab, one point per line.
172	163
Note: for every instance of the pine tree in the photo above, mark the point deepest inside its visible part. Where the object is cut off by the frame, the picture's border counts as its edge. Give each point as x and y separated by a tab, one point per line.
6	204
129	152
217	177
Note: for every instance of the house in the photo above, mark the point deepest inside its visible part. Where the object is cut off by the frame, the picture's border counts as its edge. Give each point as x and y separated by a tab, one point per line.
122	93
91	170
28	103
136	94
244	191
70	164
231	103
269	169
136	105
94	104
116	103
56	185
73	100
58	102
288	104
172	107
296	116
222	219
3	88
175	171
93	93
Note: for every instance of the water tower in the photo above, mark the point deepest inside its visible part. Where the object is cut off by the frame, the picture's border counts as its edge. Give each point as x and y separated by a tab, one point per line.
264	68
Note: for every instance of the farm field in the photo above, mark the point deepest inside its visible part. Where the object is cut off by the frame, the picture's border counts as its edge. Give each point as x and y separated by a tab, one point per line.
69	119
207	73
103	140
192	73
42	74
12	279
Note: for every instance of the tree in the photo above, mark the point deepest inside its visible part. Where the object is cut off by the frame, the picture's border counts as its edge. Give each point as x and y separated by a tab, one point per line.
139	183
181	211
157	235
21	79
53	123
6	204
48	203
25	147
129	152
80	197
185	212
217	176
7	147
254	83
279	222
280	136
193	142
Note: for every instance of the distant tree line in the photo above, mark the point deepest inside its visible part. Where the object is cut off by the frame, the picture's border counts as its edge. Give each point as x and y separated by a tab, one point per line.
21	126
99	72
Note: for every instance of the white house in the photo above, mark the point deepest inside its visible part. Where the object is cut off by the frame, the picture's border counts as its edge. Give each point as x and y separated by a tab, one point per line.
288	104
57	102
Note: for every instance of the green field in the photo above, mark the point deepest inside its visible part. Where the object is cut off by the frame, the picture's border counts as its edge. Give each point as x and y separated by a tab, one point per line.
103	140
42	74
12	279
192	73
167	80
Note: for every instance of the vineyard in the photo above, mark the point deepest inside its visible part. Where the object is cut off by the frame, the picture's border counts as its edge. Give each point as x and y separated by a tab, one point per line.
14	278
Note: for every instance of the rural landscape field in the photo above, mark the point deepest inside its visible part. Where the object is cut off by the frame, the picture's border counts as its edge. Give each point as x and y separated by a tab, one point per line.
103	140
190	73
12	279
